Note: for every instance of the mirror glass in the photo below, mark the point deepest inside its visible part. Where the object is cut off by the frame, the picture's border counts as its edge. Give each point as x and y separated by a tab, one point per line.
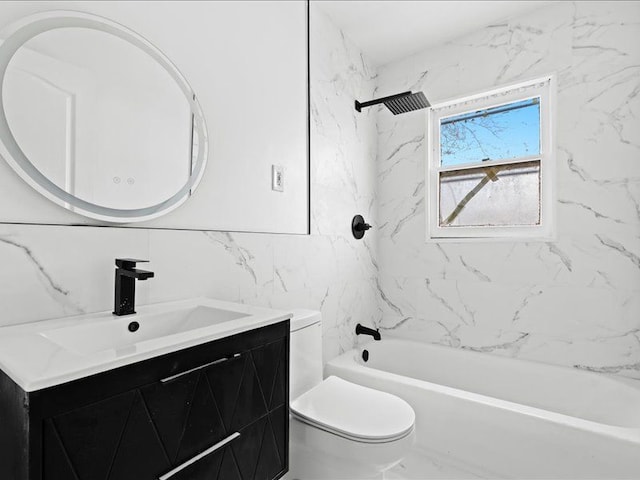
97	119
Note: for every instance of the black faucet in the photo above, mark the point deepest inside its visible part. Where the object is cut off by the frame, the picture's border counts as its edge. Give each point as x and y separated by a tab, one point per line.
368	331
125	292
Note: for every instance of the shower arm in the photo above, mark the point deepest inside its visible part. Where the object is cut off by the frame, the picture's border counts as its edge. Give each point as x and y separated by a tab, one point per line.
360	106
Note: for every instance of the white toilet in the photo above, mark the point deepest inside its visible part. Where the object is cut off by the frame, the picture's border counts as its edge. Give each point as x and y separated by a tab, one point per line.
338	429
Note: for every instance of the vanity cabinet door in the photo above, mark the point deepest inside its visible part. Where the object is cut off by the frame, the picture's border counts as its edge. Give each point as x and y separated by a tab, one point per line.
256	454
243	395
260	450
113	439
252	399
186	417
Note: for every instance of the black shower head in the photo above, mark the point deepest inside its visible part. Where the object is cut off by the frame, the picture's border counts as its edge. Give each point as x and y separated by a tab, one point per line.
407	103
400	103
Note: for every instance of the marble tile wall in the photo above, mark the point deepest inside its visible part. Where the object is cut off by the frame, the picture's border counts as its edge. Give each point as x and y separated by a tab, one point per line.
574	301
50	271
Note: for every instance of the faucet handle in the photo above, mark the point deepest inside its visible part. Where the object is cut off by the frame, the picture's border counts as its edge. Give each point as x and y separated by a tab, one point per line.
128	263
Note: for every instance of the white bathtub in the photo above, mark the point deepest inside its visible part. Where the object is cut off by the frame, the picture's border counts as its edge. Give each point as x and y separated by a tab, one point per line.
507	418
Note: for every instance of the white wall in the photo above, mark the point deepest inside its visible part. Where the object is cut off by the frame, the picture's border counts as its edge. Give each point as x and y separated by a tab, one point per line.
575	301
49	271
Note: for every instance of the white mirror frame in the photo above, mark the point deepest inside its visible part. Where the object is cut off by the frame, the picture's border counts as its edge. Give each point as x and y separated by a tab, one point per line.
16	35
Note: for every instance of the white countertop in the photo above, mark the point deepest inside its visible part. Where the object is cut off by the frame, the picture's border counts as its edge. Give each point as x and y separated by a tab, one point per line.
35	362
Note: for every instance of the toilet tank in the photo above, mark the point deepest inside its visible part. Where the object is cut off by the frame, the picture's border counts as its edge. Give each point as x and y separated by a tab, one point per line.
305	365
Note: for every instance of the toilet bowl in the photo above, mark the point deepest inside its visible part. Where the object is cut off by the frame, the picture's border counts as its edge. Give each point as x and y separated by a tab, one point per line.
339	429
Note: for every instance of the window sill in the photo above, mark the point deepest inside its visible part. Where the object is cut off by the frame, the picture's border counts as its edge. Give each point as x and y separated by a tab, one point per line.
505	239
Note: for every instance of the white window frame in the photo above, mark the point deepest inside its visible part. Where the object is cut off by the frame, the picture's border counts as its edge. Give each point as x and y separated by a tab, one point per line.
545	89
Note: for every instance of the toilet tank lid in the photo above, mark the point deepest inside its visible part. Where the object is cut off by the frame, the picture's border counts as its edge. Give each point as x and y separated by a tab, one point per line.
302	318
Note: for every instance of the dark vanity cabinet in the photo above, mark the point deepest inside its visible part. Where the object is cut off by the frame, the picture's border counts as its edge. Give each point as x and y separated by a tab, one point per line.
218	410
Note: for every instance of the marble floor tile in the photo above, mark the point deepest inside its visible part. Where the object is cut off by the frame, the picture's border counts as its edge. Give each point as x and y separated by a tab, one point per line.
420	464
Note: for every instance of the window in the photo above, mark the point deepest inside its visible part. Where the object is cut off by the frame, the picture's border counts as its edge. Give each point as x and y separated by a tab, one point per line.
490	169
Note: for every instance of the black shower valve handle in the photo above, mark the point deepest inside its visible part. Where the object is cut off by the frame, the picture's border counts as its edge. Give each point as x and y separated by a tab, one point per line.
359	227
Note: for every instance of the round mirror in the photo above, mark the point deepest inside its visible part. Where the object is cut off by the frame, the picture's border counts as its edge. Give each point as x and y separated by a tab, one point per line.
97	119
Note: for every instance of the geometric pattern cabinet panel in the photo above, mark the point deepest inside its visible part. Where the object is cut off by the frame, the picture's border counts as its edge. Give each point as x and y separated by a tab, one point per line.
150	429
169	408
56	462
140	453
200	424
105	438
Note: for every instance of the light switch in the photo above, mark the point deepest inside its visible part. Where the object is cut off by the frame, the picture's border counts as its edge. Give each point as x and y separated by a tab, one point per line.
277	178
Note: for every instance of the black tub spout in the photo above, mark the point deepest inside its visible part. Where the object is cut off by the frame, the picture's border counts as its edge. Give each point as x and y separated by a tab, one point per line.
362	330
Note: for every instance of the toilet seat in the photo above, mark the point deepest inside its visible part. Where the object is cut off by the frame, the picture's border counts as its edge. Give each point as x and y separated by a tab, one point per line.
354	412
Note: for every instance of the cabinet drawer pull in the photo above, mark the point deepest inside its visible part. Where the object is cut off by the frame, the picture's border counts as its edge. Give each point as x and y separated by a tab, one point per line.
208	451
215	362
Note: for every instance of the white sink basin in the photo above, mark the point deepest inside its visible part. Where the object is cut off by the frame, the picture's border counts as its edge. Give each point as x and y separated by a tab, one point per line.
43	354
114	333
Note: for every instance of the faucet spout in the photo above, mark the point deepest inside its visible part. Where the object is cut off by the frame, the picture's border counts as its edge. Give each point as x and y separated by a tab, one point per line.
362	330
125	285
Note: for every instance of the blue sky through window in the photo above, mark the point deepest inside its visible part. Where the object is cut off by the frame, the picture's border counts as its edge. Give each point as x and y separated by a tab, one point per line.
507	131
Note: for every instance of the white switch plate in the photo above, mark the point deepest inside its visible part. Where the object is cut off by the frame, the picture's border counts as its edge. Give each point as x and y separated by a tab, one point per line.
277	178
